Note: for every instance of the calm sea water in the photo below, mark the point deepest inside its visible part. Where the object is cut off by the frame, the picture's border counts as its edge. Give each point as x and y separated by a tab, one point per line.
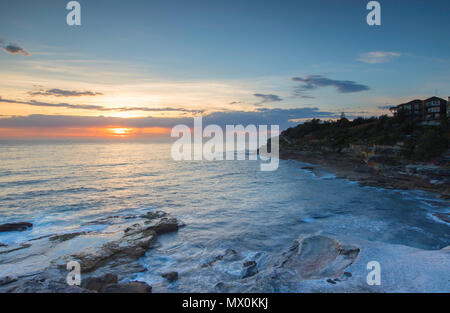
228	204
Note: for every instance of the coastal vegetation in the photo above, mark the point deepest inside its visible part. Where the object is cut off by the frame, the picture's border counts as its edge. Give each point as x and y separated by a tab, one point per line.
413	139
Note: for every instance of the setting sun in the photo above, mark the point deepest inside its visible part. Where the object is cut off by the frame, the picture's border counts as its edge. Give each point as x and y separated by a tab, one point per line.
121	131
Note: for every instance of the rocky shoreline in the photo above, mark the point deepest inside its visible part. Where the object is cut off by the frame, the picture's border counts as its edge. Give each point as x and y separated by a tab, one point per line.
107	258
428	178
404	177
313	263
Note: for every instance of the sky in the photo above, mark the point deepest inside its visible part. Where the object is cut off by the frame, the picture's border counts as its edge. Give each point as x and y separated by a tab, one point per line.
141	67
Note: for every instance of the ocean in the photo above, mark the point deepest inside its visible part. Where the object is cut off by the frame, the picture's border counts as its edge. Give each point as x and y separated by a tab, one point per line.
61	185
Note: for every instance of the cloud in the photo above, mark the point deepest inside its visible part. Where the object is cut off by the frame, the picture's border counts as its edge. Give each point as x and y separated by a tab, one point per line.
282	117
13	49
376	57
385	107
304	96
64	93
58	105
165	109
97	107
265	116
56	121
313	82
267	98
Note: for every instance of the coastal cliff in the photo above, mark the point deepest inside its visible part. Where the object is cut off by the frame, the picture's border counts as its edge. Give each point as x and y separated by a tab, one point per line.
389	152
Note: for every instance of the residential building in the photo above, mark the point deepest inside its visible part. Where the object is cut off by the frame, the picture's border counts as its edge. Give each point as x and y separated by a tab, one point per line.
434	108
430	109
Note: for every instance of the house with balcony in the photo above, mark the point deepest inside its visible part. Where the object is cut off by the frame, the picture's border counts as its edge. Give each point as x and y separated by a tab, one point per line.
411	109
433	108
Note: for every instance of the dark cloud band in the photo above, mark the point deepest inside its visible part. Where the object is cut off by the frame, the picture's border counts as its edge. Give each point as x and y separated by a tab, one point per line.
267	98
13	49
313	82
64	93
283	117
97	107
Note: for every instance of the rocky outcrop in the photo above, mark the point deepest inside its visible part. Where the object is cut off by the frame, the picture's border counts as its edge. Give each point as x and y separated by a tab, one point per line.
109	284
445	217
7	280
48	282
170	276
106	257
15	226
250	268
165	225
97	283
64	237
132	287
317	257
16	248
52	281
229	254
135	240
376	172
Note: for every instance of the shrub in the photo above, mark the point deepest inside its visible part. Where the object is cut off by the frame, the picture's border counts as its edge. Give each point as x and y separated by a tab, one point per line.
431	144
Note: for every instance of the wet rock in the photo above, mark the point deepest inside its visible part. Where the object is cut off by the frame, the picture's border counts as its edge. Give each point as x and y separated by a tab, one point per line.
65	237
40	237
65	289
153	215
133	287
229	254
130	247
134	240
317	257
220	286
170	276
443	216
7	280
331	281
166	225
224	287
112	220
101	254
97	283
16	248
119	219
3	245
347	274
250	269
15	226
363	169
51	281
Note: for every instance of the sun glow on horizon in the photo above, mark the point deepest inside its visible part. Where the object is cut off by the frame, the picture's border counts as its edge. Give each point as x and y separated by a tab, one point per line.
91	132
119	131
